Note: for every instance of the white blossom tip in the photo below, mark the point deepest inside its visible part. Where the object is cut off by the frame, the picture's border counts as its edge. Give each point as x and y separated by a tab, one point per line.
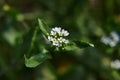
57	36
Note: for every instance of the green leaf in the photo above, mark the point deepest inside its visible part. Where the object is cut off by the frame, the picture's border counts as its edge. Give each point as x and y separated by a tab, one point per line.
10	35
36	60
82	44
28	40
31	62
43	27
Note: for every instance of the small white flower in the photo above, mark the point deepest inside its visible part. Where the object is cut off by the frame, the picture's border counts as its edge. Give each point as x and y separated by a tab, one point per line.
55	43
64	32
111	41
66	41
50	38
105	40
53	33
115	64
56	29
57	36
115	36
60	39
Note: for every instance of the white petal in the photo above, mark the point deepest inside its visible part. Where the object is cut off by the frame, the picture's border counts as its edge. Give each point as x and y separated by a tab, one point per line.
66	42
49	38
113	43
53	33
115	64
115	36
106	40
64	32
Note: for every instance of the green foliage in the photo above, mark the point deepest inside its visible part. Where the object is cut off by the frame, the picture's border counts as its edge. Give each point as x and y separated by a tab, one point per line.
82	44
26	54
28	40
31	62
43	27
36	60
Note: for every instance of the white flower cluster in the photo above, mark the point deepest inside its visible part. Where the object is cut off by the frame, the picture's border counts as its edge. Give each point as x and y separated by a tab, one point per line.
112	41
115	64
57	36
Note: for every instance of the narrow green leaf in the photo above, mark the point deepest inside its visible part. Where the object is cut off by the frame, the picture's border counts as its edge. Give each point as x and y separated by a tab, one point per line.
82	44
43	27
28	40
36	60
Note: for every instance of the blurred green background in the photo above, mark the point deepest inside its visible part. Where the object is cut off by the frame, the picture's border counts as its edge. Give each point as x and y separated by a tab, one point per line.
86	20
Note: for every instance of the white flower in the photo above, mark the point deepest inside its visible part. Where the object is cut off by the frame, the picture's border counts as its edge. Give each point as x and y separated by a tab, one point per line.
66	41
115	36
53	33
60	39
57	37
115	64
55	43
56	30
64	32
111	41
106	40
50	38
